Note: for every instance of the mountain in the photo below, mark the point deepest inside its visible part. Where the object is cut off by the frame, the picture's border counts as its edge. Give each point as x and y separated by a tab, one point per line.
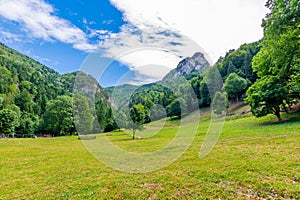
196	63
28	88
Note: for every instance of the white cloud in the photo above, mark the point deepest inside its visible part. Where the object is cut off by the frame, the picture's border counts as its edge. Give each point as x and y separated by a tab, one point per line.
215	25
8	37
151	64
151	47
39	20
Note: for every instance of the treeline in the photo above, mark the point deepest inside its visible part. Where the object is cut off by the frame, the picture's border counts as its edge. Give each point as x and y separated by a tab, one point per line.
36	100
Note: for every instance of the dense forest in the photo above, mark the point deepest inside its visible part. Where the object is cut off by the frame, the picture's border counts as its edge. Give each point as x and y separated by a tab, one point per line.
36	100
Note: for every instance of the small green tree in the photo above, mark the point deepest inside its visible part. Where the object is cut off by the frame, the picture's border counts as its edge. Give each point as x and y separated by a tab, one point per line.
138	115
267	96
8	122
220	103
204	95
174	109
82	114
235	86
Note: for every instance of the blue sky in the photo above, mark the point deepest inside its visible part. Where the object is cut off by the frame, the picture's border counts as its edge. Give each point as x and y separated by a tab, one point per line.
129	41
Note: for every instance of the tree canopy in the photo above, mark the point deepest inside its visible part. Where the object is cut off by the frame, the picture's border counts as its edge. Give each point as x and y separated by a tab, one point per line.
278	62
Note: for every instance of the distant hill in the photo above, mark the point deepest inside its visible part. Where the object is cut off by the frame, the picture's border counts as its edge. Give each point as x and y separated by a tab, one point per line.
27	87
20	74
196	63
121	94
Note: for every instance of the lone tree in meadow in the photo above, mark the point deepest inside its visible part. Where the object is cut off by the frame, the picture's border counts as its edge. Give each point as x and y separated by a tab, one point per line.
138	116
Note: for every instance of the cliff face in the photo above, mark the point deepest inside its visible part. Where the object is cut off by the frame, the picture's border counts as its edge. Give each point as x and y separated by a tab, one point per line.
188	65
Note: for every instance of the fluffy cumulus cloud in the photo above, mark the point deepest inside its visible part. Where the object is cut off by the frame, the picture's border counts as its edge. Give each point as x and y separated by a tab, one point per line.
38	19
215	25
183	27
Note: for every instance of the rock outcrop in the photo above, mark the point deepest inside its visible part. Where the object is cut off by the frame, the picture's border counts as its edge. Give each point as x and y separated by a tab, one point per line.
188	65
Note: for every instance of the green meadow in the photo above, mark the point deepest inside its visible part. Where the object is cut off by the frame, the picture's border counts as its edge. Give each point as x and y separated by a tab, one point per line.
254	158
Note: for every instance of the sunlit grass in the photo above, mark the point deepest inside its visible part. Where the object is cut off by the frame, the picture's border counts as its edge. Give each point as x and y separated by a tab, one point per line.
254	158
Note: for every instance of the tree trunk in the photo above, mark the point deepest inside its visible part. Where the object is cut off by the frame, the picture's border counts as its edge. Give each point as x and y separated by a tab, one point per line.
277	113
133	133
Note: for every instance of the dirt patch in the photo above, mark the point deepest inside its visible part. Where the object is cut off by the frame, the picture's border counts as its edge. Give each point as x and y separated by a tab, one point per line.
150	186
247	194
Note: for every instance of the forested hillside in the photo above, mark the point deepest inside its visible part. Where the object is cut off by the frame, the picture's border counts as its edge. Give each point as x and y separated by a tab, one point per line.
35	99
175	94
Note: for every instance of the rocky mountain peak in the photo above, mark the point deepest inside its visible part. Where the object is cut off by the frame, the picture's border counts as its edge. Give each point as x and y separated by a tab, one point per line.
188	65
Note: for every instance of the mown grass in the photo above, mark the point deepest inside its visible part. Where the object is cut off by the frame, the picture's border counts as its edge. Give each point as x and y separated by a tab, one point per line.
253	159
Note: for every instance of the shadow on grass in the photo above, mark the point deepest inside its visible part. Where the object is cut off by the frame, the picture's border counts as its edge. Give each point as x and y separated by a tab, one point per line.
284	121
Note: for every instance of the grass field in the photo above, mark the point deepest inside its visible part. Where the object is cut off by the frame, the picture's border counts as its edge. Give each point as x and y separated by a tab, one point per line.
253	159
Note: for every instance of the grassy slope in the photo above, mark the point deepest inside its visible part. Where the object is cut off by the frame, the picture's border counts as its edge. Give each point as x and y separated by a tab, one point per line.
252	159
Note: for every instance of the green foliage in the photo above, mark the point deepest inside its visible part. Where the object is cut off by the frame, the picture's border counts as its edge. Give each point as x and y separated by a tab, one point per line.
278	62
213	80
28	125
267	96
8	122
138	116
58	118
5	80
14	108
121	94
105	116
30	86
220	103
174	109
157	112
120	119
239	61
205	99
82	114
1	102
235	86
24	101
